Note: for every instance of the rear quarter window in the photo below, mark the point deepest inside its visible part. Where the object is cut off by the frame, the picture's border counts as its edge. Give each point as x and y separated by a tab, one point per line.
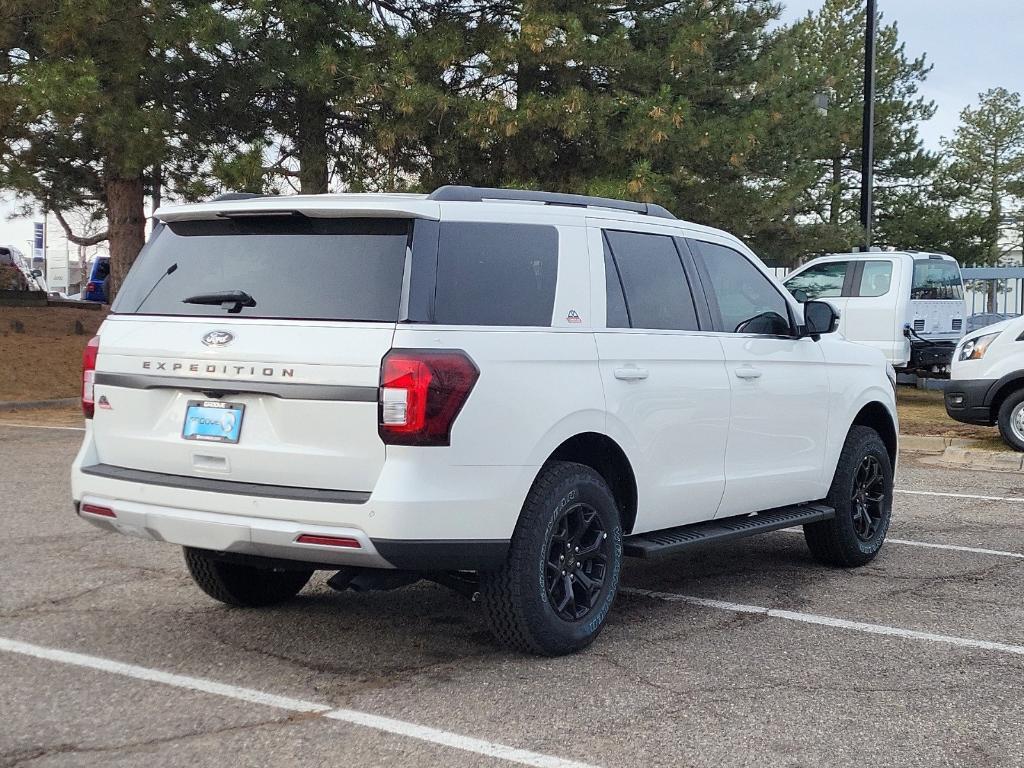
495	274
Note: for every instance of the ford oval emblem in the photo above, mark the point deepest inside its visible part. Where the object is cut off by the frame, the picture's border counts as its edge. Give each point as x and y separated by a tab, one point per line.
218	338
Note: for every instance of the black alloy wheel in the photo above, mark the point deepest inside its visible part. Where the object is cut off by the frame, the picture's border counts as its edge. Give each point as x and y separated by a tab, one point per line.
868	500
577	562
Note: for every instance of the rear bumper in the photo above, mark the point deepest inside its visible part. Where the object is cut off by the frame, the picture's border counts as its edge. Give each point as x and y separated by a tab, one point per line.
277	539
970	400
423	514
231	533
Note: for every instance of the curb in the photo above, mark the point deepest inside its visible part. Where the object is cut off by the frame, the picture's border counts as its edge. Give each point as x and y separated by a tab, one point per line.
960	452
975	458
933	443
28	405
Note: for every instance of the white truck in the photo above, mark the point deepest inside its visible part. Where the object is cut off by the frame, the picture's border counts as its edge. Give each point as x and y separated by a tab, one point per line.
503	391
908	304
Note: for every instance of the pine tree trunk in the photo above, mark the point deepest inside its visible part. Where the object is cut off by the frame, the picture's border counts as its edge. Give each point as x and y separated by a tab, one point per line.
311	145
127	220
836	204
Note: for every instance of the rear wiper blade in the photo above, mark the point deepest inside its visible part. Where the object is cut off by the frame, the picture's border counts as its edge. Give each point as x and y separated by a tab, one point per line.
236	300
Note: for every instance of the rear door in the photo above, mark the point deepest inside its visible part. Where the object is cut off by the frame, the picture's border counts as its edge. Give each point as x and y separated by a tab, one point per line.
293	350
870	313
780	386
664	375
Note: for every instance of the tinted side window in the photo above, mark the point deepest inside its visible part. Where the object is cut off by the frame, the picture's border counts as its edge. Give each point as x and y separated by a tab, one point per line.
875	279
616	302
496	274
657	293
747	300
821	280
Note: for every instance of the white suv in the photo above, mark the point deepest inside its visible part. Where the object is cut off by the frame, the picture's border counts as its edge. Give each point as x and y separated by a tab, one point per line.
499	390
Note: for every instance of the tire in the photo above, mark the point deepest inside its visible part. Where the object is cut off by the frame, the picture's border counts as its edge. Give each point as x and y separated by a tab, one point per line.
529	605
1011	420
245	586
863	509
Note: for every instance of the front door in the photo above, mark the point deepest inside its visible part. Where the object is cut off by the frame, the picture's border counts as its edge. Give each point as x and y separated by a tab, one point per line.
780	387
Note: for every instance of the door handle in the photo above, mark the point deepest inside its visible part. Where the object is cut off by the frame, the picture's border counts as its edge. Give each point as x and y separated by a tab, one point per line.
631	374
746	372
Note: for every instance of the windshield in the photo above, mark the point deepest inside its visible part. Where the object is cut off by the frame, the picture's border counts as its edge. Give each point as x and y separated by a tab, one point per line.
294	267
937	279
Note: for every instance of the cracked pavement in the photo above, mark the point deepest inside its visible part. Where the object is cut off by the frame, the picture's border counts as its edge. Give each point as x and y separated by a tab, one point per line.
667	684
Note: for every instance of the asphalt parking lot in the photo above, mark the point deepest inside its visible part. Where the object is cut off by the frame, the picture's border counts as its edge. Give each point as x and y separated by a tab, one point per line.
747	655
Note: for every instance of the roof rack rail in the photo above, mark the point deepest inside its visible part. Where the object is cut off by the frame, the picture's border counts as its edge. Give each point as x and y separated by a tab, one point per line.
479	194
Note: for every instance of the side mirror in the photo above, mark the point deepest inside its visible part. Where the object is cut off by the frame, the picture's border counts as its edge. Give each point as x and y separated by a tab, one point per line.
800	295
819	317
36	273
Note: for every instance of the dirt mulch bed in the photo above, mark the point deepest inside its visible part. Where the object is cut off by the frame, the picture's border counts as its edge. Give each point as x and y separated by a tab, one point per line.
47	417
922	412
42	350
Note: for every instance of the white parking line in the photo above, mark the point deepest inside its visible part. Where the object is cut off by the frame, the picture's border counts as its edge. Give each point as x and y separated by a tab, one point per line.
961	495
386	724
39	426
956	548
930	545
828	621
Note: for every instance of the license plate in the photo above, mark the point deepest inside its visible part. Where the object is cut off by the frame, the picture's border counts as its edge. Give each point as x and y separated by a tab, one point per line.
213	421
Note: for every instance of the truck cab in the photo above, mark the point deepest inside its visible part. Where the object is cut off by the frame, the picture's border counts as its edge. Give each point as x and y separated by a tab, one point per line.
908	304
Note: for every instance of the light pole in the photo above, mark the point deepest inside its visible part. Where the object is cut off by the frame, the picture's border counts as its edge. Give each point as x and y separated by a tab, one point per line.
867	169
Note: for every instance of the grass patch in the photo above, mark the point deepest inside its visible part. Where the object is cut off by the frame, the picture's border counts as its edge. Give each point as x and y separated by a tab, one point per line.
922	412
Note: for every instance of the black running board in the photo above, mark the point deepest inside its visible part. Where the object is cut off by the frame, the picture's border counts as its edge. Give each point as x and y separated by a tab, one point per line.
672	540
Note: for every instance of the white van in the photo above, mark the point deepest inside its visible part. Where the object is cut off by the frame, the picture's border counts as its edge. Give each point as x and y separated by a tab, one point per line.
908	304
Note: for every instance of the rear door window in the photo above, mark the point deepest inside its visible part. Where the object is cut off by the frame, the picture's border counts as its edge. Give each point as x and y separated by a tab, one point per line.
875	279
292	267
653	283
496	274
820	281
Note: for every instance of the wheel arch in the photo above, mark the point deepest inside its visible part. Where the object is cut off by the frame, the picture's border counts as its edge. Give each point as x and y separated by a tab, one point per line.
875	415
1001	390
602	454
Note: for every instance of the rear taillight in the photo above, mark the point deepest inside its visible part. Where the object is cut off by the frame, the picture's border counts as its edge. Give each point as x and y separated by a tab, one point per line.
89	375
421	393
90	287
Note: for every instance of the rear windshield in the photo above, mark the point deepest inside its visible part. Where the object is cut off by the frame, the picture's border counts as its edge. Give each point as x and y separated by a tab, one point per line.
318	269
936	279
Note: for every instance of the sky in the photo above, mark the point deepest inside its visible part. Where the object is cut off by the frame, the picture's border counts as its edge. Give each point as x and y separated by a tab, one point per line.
972	47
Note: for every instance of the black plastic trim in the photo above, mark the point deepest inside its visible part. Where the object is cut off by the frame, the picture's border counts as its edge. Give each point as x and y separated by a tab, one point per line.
334	392
480	194
977	395
443	555
261	490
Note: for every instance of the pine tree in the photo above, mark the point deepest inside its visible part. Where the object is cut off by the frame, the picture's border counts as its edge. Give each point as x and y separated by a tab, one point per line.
827	49
680	104
99	97
986	166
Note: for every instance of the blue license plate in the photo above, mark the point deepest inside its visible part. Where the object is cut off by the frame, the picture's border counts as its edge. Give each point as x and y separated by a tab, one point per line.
213	421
